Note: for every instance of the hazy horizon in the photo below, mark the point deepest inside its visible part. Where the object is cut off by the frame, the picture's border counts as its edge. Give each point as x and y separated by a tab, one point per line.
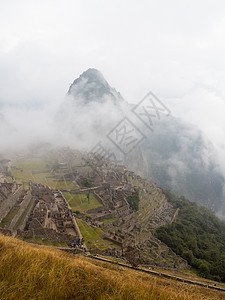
173	49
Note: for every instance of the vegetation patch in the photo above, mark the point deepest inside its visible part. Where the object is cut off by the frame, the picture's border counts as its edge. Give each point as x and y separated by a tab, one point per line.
93	236
107	221
198	236
87	182
134	200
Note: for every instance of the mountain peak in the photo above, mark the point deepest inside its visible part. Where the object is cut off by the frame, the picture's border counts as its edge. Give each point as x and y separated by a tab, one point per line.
92	86
93	74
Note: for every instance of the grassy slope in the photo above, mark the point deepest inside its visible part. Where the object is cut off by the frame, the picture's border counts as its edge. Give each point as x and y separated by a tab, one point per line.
94	235
32	272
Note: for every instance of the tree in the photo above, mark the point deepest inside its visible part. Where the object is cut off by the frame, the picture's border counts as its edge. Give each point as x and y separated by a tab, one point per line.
86	182
134	200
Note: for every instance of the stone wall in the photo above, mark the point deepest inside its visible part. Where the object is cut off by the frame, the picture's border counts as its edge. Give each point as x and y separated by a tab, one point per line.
48	234
23	205
123	211
113	214
98	198
24	223
71	250
108	252
96	210
10	201
5	232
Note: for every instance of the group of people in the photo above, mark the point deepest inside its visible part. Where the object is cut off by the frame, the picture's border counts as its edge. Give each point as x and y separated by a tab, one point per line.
79	244
66	214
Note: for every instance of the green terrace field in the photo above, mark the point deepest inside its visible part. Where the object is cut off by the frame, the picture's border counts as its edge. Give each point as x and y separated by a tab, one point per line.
80	201
93	237
107	221
37	170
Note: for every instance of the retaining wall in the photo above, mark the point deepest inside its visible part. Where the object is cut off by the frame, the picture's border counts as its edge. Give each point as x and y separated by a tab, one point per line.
8	203
23	206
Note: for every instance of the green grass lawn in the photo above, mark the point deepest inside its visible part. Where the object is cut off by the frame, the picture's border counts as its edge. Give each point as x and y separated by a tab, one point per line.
65	185
93	234
80	201
107	221
8	219
53	183
30	166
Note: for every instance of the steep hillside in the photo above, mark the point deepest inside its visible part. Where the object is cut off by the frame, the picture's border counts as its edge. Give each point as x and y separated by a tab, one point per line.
31	272
136	230
198	236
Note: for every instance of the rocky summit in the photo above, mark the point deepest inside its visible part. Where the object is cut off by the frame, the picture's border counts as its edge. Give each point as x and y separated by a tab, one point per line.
92	86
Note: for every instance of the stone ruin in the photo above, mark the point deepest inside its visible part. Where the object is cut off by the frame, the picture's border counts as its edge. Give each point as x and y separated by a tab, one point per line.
9	194
51	218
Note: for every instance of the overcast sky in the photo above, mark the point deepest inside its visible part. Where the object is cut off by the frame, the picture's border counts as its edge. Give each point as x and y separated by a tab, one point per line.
173	48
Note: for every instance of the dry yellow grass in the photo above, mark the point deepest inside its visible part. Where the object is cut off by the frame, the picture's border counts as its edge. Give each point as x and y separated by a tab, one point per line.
33	272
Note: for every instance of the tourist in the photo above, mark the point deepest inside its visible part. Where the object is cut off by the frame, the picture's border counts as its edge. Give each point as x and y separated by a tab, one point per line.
74	244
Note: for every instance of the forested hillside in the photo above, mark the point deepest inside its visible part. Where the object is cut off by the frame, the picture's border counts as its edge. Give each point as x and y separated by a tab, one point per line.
198	236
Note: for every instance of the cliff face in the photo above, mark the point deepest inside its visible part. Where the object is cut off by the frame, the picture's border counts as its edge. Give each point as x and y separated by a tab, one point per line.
137	162
181	159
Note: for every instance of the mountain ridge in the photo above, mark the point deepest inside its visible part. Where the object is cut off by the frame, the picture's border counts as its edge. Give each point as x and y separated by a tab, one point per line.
176	155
